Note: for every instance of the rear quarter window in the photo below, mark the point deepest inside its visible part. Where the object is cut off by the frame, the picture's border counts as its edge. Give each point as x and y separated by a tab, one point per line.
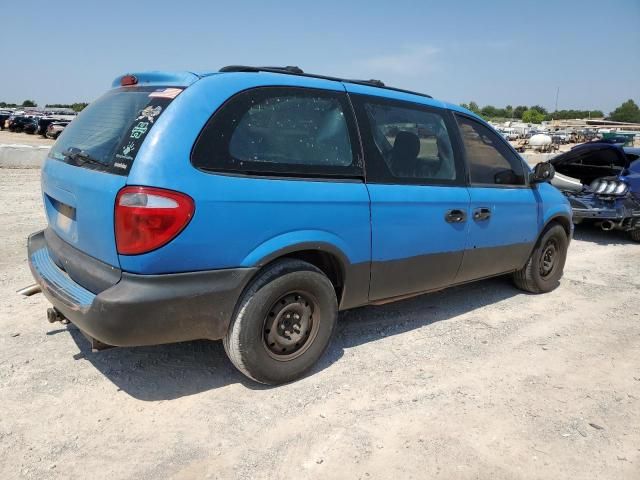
282	131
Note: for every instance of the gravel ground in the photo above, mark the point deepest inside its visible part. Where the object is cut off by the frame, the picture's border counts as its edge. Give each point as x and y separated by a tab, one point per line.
481	381
11	138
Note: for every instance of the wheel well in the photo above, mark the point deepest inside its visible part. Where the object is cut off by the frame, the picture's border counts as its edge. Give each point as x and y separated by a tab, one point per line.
563	222
329	265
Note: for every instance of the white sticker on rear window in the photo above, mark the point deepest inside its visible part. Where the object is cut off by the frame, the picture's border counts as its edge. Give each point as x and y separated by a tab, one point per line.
166	93
150	113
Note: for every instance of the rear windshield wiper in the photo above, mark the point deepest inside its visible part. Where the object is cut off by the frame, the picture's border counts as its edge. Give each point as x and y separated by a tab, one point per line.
81	156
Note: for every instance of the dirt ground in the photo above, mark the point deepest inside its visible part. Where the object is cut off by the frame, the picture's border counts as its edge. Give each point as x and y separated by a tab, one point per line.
476	382
11	138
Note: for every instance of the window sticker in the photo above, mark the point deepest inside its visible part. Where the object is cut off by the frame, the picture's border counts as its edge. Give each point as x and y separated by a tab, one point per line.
166	93
139	129
125	154
137	132
150	113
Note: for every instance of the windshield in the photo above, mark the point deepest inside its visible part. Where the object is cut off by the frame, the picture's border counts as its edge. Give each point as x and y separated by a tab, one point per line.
109	132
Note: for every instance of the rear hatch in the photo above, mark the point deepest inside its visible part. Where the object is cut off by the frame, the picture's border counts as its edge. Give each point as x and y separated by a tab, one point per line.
90	162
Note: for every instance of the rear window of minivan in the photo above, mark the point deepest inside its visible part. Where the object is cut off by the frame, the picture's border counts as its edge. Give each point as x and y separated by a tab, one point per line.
109	132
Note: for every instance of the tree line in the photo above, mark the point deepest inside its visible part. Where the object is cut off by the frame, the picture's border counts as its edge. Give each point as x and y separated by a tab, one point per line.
533	114
76	107
26	103
627	112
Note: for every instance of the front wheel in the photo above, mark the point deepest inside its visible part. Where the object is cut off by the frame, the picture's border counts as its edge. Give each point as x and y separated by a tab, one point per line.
283	322
635	235
543	270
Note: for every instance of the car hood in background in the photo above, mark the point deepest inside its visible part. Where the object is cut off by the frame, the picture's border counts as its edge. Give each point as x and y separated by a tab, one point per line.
592	160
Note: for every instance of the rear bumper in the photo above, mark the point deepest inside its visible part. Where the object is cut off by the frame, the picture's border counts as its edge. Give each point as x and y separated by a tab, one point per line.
625	210
604	213
142	309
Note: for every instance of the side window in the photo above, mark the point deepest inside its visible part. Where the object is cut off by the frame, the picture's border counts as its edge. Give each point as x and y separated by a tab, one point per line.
408	144
280	130
490	160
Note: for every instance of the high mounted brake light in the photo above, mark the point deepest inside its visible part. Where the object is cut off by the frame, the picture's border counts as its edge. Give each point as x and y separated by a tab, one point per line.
147	218
128	80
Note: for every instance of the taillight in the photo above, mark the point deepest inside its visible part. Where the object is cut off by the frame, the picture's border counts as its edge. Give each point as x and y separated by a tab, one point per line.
147	218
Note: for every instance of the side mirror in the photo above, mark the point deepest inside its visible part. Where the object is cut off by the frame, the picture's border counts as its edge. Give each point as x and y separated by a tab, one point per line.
542	172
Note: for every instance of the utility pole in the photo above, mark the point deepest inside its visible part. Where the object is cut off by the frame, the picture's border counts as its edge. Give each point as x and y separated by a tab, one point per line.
557	93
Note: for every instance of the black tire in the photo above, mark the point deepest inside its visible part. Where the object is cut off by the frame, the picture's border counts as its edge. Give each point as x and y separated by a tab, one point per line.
259	343
543	270
635	235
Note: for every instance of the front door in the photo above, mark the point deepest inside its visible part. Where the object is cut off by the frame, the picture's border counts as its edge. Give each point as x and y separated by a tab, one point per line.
419	202
503	223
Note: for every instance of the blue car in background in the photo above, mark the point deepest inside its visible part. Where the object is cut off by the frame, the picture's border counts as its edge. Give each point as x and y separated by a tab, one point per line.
252	204
601	179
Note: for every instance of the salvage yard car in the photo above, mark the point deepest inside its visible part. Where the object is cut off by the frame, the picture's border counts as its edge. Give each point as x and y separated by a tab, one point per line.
17	122
54	129
30	125
43	124
252	204
601	179
4	116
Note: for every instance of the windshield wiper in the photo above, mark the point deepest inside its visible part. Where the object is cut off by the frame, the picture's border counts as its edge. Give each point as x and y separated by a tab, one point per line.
81	156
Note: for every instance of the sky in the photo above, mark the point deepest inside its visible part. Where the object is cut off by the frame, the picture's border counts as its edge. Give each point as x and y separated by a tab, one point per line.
491	52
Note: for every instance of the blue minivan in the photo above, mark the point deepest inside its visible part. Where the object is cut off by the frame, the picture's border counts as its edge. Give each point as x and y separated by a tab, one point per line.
252	204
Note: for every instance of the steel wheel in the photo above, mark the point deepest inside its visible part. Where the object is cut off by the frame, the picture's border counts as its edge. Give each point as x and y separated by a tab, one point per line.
283	322
543	270
291	326
548	257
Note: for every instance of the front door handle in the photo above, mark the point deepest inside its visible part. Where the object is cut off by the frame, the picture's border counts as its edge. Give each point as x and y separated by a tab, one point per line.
481	213
455	216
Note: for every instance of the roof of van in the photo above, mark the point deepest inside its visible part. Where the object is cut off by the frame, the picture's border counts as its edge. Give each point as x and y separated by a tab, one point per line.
370	87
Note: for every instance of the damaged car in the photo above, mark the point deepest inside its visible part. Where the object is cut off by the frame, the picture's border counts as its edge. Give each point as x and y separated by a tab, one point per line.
602	182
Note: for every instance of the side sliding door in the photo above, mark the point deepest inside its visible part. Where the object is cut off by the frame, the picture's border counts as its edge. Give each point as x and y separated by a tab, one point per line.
419	201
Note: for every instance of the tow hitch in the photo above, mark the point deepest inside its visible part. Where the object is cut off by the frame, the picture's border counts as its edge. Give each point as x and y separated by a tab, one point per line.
53	315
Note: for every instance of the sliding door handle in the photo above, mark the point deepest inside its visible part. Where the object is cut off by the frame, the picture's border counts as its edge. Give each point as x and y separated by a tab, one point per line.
481	213
455	216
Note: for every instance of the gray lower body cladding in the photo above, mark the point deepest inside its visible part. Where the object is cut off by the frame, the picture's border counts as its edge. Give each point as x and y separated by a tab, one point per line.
142	309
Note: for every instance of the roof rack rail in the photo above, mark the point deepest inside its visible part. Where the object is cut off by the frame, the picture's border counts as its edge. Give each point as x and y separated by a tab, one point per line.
293	70
244	68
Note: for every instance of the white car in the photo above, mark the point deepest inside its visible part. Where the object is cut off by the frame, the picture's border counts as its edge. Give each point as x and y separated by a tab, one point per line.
55	129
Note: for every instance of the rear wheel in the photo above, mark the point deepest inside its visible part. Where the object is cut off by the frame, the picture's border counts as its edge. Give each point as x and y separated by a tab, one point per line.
635	235
543	270
283	322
